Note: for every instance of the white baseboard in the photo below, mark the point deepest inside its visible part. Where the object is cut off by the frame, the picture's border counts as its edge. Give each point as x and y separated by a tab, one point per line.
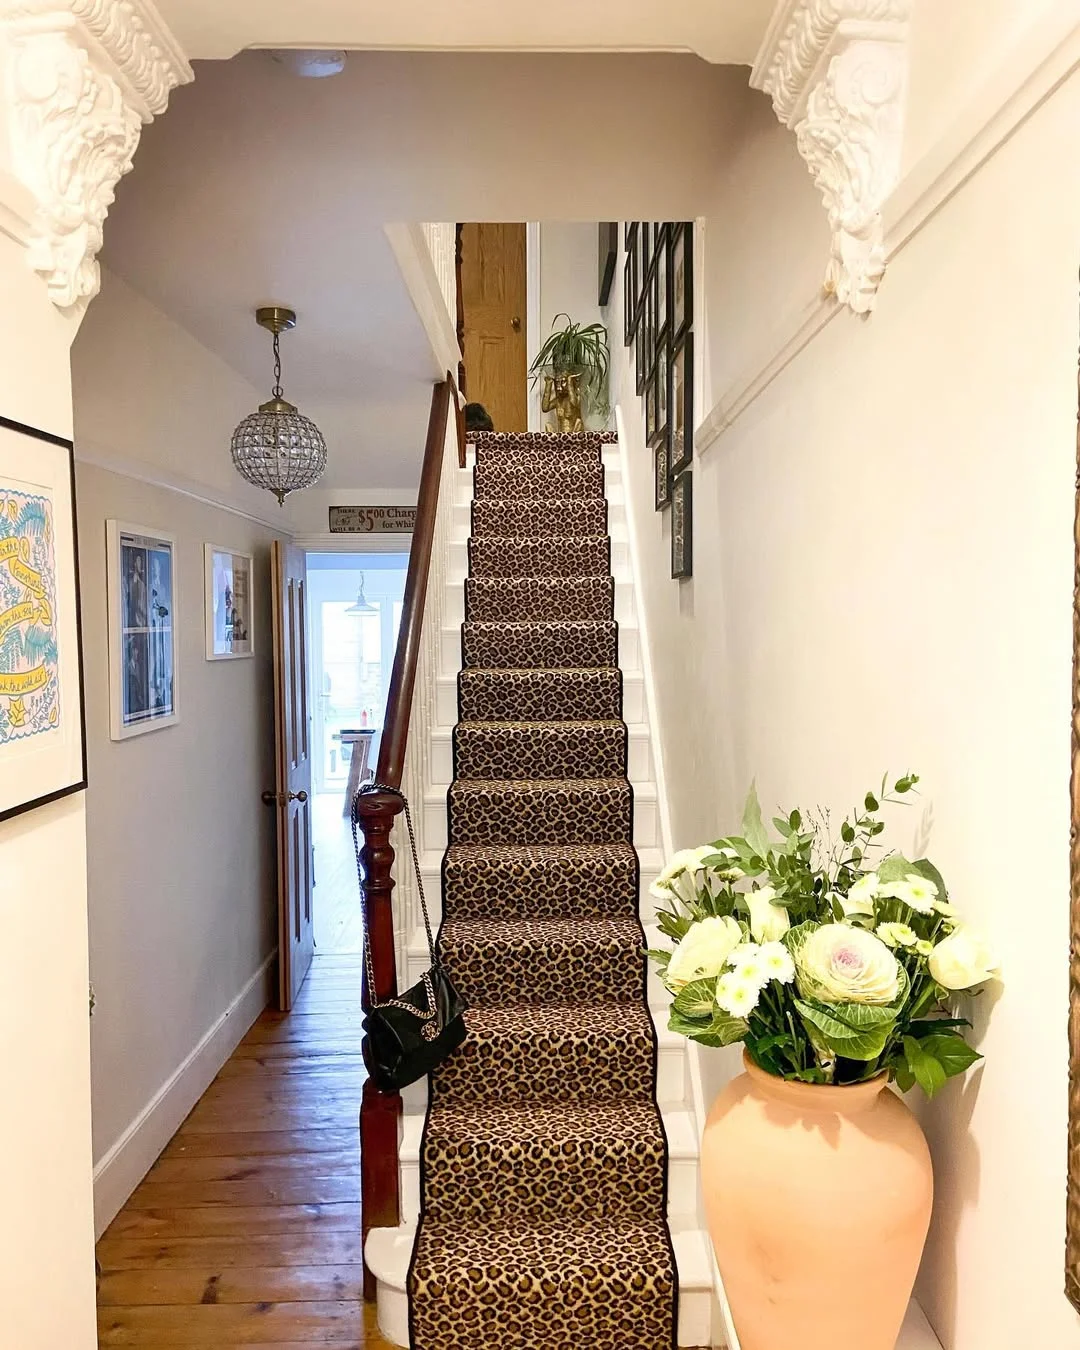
135	1152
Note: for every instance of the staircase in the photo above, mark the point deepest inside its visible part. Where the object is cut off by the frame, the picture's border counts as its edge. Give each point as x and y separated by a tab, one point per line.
557	1173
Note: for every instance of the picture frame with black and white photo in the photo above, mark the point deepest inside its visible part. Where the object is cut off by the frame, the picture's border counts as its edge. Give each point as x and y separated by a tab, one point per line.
680	403
681	270
630	285
682	526
143	676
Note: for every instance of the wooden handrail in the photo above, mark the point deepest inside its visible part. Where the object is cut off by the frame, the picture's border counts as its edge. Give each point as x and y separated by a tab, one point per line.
375	814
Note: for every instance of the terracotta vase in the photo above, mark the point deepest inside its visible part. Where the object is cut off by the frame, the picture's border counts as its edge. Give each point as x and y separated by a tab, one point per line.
818	1200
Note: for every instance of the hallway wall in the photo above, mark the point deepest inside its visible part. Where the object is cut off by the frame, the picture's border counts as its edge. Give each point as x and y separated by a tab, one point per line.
46	1256
181	851
883	580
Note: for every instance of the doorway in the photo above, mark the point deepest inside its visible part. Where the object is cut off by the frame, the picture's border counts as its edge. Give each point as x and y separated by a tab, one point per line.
354	612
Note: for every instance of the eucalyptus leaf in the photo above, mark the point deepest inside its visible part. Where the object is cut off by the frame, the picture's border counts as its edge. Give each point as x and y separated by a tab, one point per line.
753	827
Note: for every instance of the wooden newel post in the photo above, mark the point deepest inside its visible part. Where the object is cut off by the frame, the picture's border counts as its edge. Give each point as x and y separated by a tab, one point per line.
380	1112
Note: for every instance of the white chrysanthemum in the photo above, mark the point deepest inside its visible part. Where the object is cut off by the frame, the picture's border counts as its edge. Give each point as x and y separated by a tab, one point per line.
744	962
897	934
915	890
768	921
735	996
703	952
860	899
775	962
924	947
841	964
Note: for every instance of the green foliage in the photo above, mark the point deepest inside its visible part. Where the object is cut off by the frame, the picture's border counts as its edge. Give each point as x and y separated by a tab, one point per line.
577	347
797	1029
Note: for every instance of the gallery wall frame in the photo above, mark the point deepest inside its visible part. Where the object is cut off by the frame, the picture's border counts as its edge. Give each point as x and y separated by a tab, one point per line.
144	629
42	703
682	526
681	403
1072	1203
229	601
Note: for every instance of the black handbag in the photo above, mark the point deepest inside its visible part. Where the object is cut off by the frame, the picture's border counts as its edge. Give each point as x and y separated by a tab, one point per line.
411	1034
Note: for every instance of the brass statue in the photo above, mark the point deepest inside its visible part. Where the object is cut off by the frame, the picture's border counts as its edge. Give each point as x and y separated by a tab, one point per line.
562	395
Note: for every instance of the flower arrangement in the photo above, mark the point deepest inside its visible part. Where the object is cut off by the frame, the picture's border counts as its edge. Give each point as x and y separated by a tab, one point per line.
828	968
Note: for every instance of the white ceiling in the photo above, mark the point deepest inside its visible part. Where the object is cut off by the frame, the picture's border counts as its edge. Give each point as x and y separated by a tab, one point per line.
259	187
721	31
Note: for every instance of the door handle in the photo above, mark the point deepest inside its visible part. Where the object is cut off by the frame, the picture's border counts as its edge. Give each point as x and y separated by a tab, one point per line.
273	798
300	796
515	324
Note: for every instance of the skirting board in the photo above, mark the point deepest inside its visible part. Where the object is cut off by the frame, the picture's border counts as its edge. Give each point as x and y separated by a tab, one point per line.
138	1148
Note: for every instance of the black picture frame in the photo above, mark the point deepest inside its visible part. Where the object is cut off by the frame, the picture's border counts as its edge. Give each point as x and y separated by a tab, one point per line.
680	403
650	410
56	474
682	526
629	298
629	228
661	477
607	256
661	292
646	240
681	274
661	377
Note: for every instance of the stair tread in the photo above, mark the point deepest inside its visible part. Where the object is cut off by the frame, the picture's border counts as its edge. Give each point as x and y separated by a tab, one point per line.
558	1020
595	1120
537	855
510	785
555	1248
568	724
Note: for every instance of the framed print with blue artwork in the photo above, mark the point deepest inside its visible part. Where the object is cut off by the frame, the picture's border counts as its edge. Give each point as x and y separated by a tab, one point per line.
42	734
143	630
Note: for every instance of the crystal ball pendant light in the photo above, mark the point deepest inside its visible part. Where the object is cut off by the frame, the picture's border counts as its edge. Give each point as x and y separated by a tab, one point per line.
278	448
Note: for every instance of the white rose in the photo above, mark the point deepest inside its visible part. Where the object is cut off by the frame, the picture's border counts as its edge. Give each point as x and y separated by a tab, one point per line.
860	899
841	964
962	960
768	922
703	952
685	860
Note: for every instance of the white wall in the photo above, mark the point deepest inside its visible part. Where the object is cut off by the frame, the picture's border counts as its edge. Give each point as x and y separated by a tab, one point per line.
46	1254
883	579
181	853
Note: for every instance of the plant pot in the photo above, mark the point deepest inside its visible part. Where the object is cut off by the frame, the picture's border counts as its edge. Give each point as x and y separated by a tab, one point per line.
818	1201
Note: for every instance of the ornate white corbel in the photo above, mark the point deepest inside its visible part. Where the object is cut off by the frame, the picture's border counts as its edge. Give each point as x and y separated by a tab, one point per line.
837	74
79	79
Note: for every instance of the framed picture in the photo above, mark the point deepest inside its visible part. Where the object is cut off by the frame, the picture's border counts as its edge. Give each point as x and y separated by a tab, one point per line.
662	471
228	603
660	282
143	623
661	377
630	312
682	526
645	236
681	403
607	255
42	730
650	410
681	269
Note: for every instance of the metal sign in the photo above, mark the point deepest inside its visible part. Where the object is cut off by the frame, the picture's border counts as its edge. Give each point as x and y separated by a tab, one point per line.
372	519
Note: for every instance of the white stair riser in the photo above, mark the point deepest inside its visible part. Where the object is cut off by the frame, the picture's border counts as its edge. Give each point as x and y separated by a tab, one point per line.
446	706
646	823
629	650
454	603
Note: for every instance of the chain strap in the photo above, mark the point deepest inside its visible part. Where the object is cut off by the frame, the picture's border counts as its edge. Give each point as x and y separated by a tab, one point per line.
429	1031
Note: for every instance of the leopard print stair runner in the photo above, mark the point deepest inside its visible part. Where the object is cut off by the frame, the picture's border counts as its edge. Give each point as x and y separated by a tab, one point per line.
544	1162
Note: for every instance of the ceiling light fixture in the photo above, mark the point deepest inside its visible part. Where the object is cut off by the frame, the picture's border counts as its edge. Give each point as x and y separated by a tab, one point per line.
278	448
310	65
361	606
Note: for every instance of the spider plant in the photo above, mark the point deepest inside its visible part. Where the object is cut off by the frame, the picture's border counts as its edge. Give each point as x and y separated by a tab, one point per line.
577	347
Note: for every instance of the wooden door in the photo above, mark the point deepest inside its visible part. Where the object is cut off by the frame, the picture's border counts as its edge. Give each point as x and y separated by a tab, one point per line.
292	790
493	299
